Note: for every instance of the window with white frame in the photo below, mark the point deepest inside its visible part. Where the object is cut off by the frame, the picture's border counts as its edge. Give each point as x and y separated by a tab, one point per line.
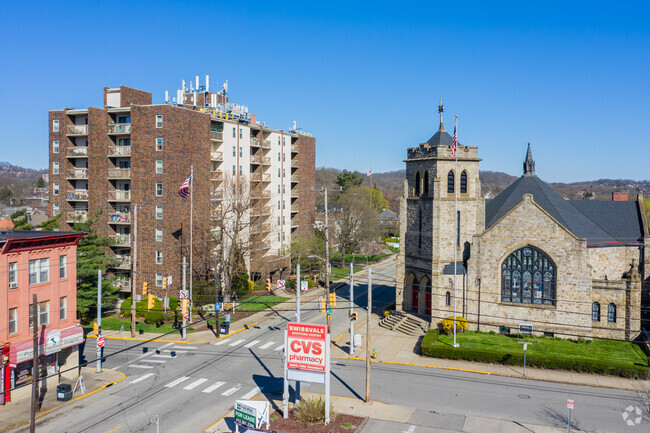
159	190
159	281
241	152
159	144
234	170
234	133
55	147
240	170
63	267
63	308
283	204
284	157
55	168
279	172
234	151
240	133
278	188
159	212
279	156
159	167
284	173
55	209
278	204
39	271
55	188
159	257
159	235
13	279
13	320
283	188
283	141
43	314
159	121
55	126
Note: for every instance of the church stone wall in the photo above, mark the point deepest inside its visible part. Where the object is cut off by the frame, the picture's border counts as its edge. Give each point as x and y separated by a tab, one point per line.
619	293
527	224
611	263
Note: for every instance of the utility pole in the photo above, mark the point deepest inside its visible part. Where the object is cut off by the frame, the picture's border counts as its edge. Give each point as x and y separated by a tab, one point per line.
99	318
298	290
368	335
184	284
327	265
134	265
35	372
351	309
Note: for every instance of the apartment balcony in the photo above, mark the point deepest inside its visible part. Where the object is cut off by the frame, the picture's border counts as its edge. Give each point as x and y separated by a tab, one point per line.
119	196
294	211
119	128
294	163
123	262
119	173
117	151
266	144
77	195
294	148
77	173
255	142
256	159
77	130
258	230
258	194
216	196
216	156
123	241
266	160
294	178
294	195
77	152
216	135
120	218
79	216
216	176
123	284
260	177
261	212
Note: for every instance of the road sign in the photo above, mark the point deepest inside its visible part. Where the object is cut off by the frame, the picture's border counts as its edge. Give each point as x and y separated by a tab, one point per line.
304	285
184	294
186	315
100	341
306	348
280	284
329	311
569	404
251	414
217	306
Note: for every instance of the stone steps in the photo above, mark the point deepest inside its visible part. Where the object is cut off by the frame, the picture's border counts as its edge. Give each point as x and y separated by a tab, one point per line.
405	324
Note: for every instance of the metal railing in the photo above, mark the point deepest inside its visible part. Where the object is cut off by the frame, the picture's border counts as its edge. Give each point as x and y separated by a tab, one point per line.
266	160
266	178
119	150
119	195
216	156
266	144
119	128
121	240
78	152
294	148
255	142
216	175
77	173
216	135
119	173
78	216
120	218
255	159
123	262
294	178
77	130
294	163
77	195
257	194
216	196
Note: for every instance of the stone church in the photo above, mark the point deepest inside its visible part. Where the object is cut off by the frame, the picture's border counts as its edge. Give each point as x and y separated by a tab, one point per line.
525	259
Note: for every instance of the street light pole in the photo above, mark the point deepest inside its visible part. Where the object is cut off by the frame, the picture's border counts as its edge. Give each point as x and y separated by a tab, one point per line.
327	264
351	309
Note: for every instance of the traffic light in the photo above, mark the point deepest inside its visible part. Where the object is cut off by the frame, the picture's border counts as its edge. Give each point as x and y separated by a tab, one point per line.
333	299
95	328
145	287
150	299
164	282
321	304
268	284
354	315
184	305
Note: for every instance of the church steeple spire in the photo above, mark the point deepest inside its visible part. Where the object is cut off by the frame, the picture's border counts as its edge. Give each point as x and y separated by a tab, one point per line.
529	164
441	108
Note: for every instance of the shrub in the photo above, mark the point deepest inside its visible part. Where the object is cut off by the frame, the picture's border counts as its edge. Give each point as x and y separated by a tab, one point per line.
310	283
447	324
311	411
154	318
581	340
251	286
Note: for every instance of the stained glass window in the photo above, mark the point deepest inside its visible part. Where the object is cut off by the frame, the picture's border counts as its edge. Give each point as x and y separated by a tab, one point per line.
528	276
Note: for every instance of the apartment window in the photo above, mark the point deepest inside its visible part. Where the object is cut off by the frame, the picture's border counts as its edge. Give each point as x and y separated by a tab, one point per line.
279	156
63	267
278	172
240	133
159	212
55	209
278	189
278	141
159	169
241	153
278	220
283	205
283	188
55	168
240	170
278	204
43	314
39	271
13	320
282	235
13	280
234	170
284	157
234	134
55	147
234	151
55	188
63	308
159	190
159	278
127	119
123	141
55	126
159	258
159	144
278	237
284	173
159	121
283	219
283	141
159	235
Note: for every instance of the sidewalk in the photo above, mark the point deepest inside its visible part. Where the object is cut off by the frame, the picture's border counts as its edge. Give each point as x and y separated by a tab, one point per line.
17	412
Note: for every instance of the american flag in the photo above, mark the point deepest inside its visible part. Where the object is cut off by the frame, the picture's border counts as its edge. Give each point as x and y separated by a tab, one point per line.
454	142
184	190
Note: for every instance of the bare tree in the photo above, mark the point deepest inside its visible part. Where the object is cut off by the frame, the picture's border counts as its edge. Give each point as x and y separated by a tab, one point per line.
357	223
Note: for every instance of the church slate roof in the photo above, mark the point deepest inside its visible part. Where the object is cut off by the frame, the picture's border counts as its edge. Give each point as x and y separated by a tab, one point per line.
602	223
440	138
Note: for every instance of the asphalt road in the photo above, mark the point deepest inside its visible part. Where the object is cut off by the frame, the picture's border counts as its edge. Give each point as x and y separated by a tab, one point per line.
187	388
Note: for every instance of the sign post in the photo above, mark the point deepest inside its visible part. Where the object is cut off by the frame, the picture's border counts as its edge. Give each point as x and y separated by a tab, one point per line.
525	347
569	405
251	414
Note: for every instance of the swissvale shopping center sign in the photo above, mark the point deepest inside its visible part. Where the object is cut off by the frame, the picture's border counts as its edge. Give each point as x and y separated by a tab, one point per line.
306	346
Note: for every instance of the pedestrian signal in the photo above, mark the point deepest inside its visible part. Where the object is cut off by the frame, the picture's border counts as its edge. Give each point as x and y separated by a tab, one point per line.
354	315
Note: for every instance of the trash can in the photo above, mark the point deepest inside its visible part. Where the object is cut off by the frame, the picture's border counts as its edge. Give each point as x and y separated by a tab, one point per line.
64	392
225	328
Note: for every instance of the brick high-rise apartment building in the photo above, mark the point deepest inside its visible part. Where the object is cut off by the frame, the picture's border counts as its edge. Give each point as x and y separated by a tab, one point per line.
134	153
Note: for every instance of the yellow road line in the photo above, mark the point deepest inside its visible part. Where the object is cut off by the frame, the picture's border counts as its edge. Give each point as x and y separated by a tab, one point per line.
220	419
414	365
119	426
108	384
174	341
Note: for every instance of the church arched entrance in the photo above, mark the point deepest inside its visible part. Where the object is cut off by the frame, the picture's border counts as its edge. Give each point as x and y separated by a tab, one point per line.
425	287
412	288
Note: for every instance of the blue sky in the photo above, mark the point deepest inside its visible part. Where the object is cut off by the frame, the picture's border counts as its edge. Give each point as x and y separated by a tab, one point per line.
365	78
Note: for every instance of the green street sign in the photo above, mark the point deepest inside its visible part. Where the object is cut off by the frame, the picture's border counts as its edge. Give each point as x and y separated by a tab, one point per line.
329	311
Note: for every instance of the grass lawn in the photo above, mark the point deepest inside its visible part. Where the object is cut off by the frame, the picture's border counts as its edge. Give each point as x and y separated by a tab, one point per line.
615	352
251	305
342	272
114	324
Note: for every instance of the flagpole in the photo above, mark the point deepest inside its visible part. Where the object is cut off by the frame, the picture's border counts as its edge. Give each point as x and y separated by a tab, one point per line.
455	149
191	233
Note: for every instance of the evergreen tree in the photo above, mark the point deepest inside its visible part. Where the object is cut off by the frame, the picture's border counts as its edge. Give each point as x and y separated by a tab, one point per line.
92	256
40	183
239	274
347	179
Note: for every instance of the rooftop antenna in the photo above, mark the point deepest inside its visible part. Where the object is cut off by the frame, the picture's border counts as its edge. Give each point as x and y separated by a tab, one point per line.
183	86
207	83
166	96
197	82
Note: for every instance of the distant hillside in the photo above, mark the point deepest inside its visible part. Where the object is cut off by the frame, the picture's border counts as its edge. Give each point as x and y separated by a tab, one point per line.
493	183
18	180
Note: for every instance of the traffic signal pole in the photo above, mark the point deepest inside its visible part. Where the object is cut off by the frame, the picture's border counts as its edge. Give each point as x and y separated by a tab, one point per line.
134	265
298	290
184	284
99	319
351	309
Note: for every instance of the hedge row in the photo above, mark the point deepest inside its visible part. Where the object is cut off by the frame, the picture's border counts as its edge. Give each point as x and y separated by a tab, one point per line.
532	360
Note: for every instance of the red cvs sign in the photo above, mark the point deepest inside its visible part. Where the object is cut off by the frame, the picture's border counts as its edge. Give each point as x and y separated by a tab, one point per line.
306	346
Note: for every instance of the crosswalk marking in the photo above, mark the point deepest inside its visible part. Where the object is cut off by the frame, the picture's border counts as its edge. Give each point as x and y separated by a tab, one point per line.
185	347
168	356
177	381
235	343
250	394
252	343
220	342
279	347
213	387
232	390
174	350
266	345
139	366
143	377
195	384
157	361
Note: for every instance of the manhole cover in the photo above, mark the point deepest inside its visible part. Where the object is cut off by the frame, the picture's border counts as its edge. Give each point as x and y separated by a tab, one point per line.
524	396
187	354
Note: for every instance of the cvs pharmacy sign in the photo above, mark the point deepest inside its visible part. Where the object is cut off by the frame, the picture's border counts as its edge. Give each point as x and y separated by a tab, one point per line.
306	347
